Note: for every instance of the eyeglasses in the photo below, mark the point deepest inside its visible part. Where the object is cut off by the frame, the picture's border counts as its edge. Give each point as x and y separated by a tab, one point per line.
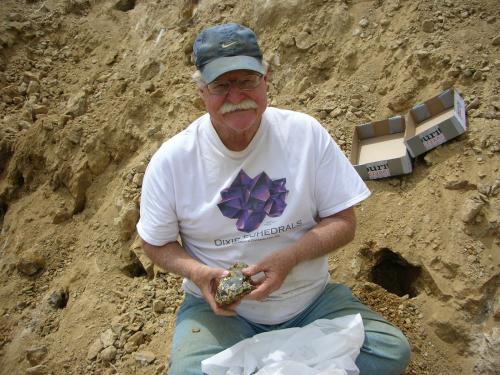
246	83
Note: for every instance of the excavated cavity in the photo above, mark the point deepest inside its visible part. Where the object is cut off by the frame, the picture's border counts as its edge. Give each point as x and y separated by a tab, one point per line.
3	211
395	274
125	5
134	269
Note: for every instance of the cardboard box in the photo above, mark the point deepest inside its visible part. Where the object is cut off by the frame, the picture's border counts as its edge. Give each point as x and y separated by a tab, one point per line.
435	122
378	149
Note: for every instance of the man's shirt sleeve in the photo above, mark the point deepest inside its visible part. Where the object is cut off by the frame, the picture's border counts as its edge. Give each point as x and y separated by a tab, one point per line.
338	185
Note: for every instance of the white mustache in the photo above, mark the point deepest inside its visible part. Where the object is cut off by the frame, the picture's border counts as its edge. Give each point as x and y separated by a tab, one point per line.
245	104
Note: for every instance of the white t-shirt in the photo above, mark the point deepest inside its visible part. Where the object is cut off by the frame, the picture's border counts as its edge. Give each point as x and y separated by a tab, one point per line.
240	206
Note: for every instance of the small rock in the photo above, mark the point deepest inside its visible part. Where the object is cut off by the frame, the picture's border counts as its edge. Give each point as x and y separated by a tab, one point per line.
36	355
336	112
61	216
160	369
94	349
496	313
37	370
29	76
130	347
33	88
126	222
474	104
477	76
24	125
144	358
356	103
422	54
148	86
286	40
428	26
158	306
39	109
364	22
471	208
30	263
468	72
429	159
63	120
409	232
136	339
77	105
459	185
496	41
108	338
385	22
304	40
108	354
23	87
137	180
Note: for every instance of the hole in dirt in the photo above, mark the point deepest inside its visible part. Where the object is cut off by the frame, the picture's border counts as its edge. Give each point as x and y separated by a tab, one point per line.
134	269
59	298
393	273
125	5
3	211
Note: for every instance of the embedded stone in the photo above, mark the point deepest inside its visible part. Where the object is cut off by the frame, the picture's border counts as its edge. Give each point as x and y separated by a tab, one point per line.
36	355
428	26
94	349
136	339
30	263
471	208
108	354
145	357
108	337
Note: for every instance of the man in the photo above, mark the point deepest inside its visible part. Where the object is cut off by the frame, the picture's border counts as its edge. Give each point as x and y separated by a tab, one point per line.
264	186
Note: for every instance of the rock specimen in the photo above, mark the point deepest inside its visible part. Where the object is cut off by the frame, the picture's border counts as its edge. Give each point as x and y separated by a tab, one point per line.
234	286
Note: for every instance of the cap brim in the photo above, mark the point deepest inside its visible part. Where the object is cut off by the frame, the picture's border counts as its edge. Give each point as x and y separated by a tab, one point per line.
223	65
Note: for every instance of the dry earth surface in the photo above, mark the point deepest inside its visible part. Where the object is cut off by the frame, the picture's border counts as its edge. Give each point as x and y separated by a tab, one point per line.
89	89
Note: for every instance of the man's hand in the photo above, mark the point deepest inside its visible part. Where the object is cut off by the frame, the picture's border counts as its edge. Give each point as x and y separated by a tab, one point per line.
329	234
275	268
173	258
206	279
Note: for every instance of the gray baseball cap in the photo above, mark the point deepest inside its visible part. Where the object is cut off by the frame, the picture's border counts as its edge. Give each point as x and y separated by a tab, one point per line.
224	48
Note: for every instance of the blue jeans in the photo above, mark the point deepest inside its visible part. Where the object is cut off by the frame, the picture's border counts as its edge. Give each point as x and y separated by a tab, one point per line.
199	333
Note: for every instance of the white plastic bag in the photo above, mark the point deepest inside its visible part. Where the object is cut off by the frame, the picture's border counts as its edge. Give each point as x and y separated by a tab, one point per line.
320	348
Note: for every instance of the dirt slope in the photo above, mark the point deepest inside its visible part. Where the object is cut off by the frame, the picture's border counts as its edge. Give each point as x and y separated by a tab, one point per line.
89	89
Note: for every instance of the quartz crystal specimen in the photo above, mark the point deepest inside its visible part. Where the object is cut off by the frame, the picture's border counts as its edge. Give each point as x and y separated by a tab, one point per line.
234	286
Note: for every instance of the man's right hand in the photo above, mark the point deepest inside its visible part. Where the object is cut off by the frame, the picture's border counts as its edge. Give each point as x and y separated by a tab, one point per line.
206	279
172	257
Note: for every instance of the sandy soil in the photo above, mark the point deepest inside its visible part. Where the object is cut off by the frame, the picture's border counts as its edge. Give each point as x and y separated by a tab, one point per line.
89	89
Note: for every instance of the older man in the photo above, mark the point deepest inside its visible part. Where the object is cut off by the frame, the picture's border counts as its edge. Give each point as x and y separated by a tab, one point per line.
260	185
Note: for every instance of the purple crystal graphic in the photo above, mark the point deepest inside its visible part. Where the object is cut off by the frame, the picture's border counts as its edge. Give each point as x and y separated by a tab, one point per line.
250	199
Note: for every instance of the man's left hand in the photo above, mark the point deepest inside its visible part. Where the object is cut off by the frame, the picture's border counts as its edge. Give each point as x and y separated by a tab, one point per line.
275	269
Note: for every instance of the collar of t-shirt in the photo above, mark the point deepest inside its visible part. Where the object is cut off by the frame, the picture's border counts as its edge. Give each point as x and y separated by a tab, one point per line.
214	138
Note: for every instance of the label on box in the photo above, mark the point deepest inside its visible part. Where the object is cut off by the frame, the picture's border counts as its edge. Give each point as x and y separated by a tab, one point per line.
379	169
432	137
460	109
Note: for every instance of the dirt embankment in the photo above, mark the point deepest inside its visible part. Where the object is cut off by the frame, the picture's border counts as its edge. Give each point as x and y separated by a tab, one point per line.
90	89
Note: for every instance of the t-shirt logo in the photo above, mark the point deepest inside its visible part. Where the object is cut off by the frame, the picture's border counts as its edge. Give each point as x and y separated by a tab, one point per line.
250	200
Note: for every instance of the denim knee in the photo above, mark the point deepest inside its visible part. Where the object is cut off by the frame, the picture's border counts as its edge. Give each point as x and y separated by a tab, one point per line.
402	356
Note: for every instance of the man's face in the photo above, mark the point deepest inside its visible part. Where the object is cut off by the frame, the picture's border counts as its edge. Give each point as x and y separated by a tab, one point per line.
227	117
